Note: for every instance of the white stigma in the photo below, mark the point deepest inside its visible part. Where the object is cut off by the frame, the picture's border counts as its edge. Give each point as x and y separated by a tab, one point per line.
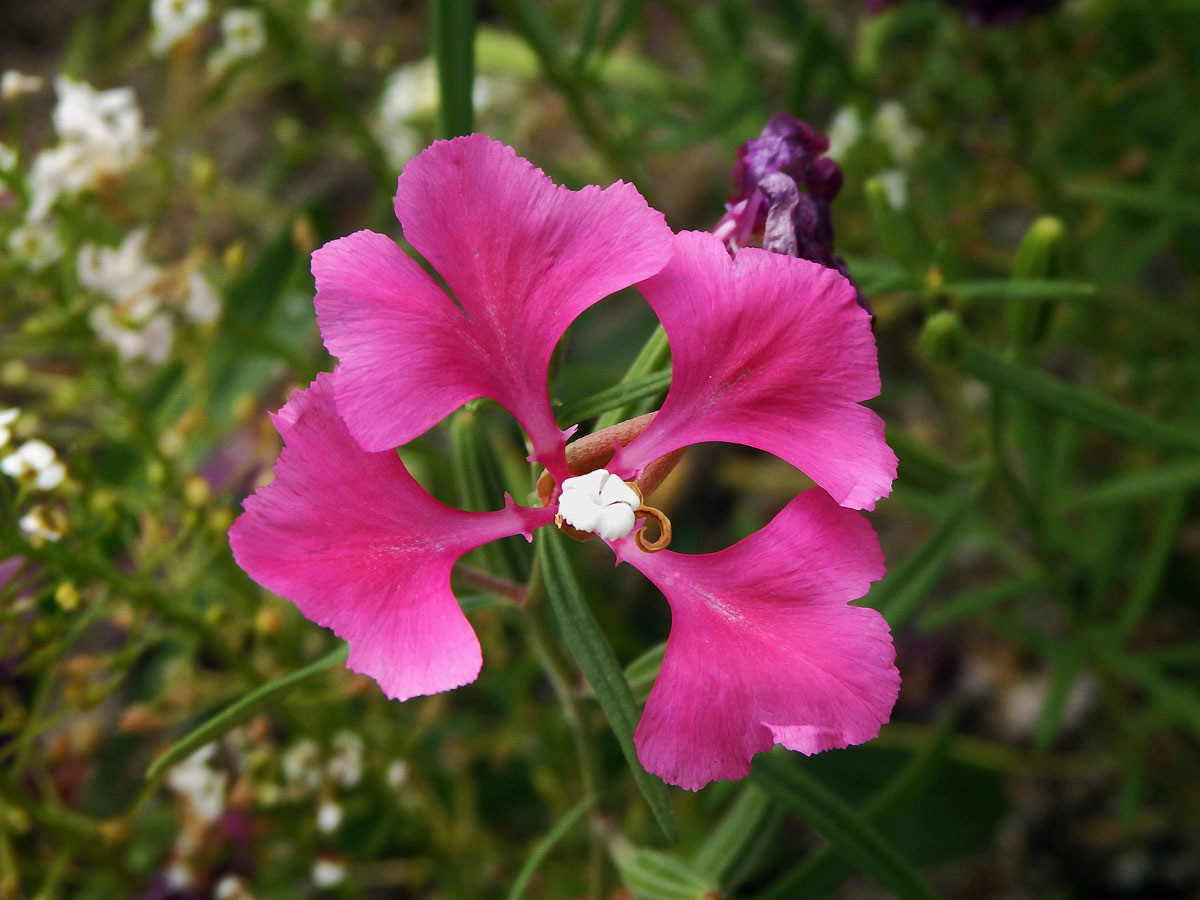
599	502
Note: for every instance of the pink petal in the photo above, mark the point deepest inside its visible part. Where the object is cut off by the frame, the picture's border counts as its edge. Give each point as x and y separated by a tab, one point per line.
522	256
352	540
764	648
772	352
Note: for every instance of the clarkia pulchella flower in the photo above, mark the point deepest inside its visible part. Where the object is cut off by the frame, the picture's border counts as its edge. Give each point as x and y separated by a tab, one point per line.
768	350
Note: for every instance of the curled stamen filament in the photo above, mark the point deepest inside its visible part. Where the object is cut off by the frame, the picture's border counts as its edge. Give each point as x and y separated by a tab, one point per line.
649	512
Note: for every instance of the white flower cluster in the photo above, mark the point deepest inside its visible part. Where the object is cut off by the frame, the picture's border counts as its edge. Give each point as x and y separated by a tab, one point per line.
408	105
173	20
35	464
136	320
243	35
100	136
891	127
202	786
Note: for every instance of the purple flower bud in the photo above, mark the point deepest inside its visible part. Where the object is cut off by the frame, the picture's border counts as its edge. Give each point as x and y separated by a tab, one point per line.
785	185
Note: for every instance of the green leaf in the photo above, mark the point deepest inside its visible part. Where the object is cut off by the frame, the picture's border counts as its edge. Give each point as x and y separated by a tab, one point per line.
654	356
1026	289
453	39
1149	201
546	844
899	595
642	671
896	230
1176	477
1054	707
835	821
616	397
1075	402
240	710
582	635
972	603
734	835
821	873
654	875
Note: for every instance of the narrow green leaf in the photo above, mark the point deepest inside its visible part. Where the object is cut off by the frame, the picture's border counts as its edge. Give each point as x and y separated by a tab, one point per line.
453	38
896	230
823	872
240	710
899	595
654	875
1075	402
1154	564
616	396
728	843
654	356
582	635
642	671
1066	674
591	30
1029	289
480	488
546	844
1178	700
972	603
1177	477
1149	201
835	821
1037	258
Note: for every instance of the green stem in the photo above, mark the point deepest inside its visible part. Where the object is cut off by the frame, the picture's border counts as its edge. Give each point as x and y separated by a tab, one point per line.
536	627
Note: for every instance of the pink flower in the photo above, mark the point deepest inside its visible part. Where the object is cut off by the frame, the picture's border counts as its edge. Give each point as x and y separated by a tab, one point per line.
768	351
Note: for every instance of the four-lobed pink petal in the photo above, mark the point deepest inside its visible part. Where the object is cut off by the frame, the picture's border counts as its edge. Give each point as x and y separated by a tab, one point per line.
522	256
768	351
772	352
763	647
361	548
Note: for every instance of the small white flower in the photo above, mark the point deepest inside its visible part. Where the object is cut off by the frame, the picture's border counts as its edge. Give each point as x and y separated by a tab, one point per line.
844	132
202	303
302	765
174	20
895	185
328	872
410	100
329	817
8	158
36	243
134	338
230	887
178	875
122	272
35	461
101	135
200	785
320	10
346	762
40	527
14	84
244	32
397	774
893	127
7	417
600	503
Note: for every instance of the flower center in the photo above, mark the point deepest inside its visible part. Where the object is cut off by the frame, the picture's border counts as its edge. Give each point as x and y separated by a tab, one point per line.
601	503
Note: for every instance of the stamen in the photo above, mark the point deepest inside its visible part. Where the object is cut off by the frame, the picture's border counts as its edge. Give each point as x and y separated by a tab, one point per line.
649	512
